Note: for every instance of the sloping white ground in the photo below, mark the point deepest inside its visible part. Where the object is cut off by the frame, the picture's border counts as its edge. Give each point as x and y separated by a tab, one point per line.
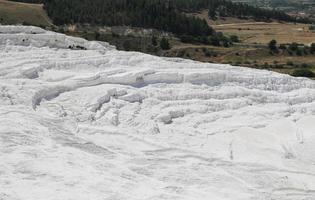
101	124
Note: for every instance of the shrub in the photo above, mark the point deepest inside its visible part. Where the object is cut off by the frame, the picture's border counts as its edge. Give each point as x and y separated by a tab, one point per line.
154	41
303	73
127	45
215	41
304	65
209	53
181	53
299	52
97	35
247	62
234	38
282	47
226	43
266	65
273	45
294	46
164	44
115	35
290	63
312	49
290	53
306	50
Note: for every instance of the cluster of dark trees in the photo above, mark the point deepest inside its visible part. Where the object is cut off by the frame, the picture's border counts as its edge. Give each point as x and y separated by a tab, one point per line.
130	11
159	14
29	1
226	8
166	15
303	73
292	48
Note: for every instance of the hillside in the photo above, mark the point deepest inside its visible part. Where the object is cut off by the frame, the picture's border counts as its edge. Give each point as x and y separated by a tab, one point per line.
244	41
23	13
122	12
81	120
164	15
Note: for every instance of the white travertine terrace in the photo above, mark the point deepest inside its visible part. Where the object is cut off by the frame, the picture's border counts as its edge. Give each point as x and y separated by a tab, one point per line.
104	124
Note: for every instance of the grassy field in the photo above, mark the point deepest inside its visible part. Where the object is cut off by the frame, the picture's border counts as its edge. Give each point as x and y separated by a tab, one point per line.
22	13
262	33
244	55
253	49
251	32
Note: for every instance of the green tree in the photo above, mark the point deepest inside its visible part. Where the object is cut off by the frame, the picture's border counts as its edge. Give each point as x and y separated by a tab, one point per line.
312	49
303	73
273	46
154	40
234	38
164	44
97	35
294	46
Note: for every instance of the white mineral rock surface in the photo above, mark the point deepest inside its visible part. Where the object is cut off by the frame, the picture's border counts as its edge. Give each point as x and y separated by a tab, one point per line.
103	124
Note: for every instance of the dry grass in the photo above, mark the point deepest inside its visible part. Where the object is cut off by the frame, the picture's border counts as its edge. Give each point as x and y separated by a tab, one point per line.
262	33
253	51
242	55
18	13
251	32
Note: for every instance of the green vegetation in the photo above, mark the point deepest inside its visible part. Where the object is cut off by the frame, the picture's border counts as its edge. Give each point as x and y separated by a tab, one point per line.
225	8
164	44
29	1
137	13
292	49
159	14
273	46
78	11
312	48
234	38
154	40
303	73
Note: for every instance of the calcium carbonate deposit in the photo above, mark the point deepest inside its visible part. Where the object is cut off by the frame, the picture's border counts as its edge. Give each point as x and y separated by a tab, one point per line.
80	120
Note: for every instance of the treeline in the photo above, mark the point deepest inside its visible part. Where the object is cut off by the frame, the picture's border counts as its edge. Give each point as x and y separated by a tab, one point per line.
29	1
159	14
166	15
102	11
292	49
226	8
